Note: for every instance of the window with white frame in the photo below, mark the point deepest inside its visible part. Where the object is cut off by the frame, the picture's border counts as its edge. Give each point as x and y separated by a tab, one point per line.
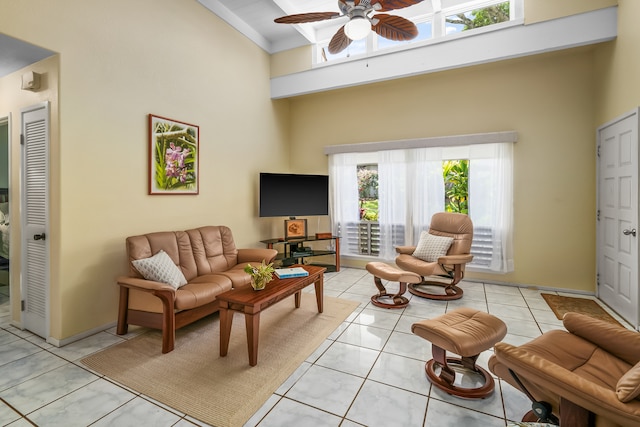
437	20
410	186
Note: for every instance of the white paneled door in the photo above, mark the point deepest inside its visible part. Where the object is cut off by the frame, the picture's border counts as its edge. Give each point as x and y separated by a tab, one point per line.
34	191
617	225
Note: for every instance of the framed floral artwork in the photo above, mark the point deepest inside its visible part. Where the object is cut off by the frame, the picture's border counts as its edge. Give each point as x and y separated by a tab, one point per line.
173	156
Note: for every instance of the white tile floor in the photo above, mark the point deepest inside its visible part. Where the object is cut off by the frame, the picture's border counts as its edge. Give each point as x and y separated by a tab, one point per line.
370	371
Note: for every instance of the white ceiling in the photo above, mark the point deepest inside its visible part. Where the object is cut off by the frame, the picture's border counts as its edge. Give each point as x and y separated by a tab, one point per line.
16	54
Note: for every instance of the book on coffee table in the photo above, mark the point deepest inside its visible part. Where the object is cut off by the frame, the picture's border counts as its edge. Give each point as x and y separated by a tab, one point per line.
287	273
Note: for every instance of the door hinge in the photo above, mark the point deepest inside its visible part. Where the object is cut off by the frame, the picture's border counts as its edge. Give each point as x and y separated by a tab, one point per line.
22	305
21	139
598	215
598	151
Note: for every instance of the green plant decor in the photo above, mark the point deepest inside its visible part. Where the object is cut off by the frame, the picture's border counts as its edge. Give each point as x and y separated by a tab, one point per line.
260	275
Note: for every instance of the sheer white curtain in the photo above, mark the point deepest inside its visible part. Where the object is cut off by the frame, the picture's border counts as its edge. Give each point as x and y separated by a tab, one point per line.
393	172
343	196
427	190
491	199
410	191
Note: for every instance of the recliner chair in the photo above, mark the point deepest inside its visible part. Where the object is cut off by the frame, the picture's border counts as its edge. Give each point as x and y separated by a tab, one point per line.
588	376
442	251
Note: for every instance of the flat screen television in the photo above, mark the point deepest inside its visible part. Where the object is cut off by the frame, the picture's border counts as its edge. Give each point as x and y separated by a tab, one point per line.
293	195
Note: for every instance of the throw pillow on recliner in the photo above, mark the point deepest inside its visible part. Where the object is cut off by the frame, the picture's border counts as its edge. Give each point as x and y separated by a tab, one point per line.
628	387
431	247
160	268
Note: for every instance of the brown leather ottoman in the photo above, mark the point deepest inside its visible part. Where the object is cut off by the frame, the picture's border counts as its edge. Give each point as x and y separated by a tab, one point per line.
384	271
466	332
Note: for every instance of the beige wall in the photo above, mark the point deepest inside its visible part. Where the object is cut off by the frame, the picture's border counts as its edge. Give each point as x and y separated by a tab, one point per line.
119	61
544	10
617	66
549	100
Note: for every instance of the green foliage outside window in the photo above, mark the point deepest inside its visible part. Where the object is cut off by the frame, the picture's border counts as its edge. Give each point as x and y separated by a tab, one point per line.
456	185
481	17
368	192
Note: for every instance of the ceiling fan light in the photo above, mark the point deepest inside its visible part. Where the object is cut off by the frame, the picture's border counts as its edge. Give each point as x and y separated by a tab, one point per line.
357	28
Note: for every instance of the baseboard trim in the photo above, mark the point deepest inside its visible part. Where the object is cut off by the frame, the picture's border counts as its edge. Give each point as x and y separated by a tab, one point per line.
65	341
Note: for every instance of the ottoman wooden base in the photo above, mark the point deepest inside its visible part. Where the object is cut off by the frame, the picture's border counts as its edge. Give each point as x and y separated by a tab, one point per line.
446	379
451	292
384	271
466	332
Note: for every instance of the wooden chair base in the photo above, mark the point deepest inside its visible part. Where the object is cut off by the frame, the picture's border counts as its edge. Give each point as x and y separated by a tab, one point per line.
445	381
451	292
398	300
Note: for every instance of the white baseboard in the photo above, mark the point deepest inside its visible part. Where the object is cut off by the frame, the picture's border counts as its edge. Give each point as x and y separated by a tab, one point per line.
61	343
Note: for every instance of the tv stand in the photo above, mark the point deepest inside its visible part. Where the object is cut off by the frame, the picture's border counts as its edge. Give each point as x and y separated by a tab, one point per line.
295	251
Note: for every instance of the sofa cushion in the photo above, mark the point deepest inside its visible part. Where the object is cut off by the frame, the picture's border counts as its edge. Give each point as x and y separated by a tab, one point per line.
212	250
431	247
238	276
201	290
160	268
628	387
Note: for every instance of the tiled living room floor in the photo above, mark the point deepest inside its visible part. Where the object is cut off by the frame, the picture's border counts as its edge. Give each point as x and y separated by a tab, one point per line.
370	371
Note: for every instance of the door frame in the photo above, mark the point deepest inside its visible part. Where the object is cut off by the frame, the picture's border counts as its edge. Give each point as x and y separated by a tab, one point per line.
599	245
6	118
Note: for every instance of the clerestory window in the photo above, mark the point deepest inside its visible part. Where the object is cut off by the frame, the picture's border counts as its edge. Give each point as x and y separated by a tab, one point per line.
437	21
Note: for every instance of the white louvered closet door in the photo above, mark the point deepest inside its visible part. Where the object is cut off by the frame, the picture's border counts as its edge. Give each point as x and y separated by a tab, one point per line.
34	197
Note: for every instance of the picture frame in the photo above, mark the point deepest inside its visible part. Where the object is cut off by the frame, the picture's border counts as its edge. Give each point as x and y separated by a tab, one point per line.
174	150
295	228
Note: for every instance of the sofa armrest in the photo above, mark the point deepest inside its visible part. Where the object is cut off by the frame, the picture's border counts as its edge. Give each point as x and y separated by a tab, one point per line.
256	255
566	384
405	249
144	284
621	342
455	259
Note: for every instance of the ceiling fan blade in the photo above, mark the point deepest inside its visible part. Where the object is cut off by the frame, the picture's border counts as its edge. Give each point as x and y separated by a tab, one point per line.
339	41
388	5
301	18
394	27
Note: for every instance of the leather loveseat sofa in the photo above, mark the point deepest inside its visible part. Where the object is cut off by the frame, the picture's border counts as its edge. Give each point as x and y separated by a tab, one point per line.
207	263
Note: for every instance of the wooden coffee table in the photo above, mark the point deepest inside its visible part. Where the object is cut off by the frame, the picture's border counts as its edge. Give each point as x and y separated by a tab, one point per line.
252	303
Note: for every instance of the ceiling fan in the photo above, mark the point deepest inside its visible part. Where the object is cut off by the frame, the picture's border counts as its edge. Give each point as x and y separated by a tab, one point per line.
363	18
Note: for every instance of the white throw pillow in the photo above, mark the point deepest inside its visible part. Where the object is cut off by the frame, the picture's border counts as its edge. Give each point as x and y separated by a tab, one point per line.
431	247
160	268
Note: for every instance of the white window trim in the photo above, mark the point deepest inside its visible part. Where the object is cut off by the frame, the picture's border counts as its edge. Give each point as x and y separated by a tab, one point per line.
437	141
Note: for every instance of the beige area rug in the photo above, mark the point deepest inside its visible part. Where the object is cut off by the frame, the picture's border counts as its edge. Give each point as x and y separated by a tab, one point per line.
561	305
223	391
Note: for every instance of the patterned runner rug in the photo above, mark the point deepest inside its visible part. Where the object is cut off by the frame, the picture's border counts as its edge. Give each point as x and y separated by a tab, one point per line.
561	305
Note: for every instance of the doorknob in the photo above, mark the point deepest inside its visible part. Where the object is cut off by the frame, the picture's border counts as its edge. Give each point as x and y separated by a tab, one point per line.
42	236
627	232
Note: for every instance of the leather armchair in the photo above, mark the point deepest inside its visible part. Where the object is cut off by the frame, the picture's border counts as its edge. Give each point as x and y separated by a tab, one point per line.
585	376
450	266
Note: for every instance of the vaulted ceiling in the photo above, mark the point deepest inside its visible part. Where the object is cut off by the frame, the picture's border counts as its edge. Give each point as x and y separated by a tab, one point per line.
254	18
